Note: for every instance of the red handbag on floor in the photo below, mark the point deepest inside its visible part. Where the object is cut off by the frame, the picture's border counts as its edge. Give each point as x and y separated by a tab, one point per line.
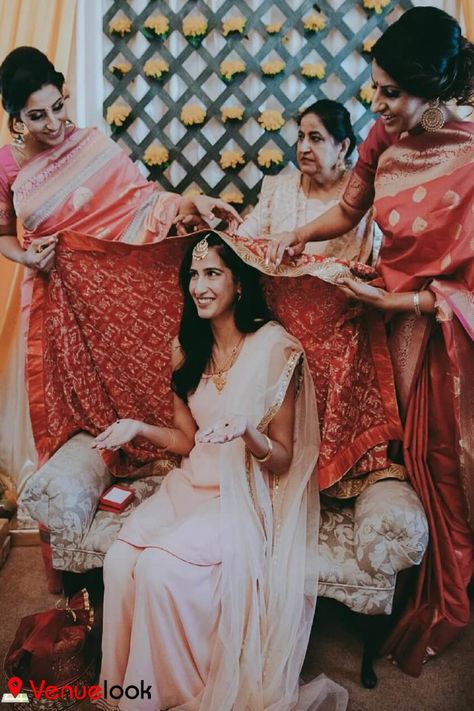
56	647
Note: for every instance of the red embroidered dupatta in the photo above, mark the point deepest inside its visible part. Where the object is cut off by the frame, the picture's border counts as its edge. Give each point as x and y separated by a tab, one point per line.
99	348
424	200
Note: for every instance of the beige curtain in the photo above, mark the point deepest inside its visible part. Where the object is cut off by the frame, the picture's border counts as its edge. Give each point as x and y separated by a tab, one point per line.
468	12
48	25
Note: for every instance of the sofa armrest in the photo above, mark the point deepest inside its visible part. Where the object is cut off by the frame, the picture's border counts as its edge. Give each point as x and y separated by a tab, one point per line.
390	527
63	494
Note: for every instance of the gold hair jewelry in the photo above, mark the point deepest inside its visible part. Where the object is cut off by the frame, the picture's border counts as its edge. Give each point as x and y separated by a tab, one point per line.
201	250
219	375
266	456
433	118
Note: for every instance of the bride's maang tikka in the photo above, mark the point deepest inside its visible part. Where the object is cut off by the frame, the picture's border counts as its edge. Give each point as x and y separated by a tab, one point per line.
201	250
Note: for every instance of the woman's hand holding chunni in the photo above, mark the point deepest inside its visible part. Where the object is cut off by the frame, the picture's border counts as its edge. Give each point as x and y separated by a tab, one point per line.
224	430
118	434
355	289
280	243
40	253
210	208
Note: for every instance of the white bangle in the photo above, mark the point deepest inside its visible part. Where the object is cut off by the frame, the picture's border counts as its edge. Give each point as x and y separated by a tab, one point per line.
416	303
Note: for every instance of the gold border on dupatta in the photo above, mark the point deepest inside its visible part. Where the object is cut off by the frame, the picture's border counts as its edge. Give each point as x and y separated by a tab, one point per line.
292	363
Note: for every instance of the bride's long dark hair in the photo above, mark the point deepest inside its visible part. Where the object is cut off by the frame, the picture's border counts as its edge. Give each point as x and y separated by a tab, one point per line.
195	335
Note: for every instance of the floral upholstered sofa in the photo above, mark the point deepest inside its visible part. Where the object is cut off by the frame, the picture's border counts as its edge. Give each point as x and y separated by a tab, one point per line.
363	545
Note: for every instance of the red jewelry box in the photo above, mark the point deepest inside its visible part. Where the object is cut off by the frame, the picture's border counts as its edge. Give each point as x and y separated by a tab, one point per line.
116	498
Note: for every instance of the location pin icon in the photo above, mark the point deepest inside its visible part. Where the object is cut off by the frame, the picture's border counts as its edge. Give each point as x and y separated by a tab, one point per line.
14	685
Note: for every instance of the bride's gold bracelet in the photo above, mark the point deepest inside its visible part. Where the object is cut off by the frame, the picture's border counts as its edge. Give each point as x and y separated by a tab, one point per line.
267	456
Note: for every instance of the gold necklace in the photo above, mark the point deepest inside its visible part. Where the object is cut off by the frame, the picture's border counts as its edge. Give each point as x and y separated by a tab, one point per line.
219	374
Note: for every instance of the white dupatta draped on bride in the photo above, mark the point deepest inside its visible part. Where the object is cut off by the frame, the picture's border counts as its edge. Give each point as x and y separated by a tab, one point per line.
269	528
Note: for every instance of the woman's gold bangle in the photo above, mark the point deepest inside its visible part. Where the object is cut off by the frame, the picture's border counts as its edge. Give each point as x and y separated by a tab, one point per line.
416	303
267	456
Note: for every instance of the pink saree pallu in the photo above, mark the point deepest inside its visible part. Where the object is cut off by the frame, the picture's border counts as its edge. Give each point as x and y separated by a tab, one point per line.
100	335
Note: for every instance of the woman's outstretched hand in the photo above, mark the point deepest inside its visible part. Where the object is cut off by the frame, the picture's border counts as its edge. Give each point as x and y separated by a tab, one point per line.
224	430
118	434
279	244
40	253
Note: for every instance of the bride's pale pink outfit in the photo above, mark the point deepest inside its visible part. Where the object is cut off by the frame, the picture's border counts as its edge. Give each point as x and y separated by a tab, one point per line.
210	589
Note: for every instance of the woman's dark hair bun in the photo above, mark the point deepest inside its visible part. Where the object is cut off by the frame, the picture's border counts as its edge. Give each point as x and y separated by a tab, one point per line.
24	71
425	53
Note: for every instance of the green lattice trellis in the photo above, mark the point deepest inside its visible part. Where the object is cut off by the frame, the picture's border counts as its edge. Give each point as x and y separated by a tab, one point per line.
339	14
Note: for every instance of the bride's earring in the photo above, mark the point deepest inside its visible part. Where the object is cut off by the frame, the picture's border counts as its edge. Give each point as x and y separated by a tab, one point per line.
433	118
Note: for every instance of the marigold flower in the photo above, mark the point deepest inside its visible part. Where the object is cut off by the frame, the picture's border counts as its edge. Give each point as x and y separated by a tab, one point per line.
315	22
313	70
157	25
230	67
155	68
192	115
233	24
156	155
117	114
367	93
119	69
273	67
232	113
232	196
194	26
368	44
231	158
271	120
192	192
120	25
376	5
267	157
274	27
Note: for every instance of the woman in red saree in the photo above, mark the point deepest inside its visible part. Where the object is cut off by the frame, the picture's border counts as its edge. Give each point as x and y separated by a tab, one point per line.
416	167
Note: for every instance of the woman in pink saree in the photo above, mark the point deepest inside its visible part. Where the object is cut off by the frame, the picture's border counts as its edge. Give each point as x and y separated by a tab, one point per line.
55	178
416	167
211	586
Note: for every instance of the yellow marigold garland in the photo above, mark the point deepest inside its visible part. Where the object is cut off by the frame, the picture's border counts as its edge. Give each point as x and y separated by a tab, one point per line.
273	67
367	93
156	26
156	156
376	5
229	68
231	159
232	196
232	113
156	68
314	22
192	115
233	24
313	70
268	157
271	120
120	26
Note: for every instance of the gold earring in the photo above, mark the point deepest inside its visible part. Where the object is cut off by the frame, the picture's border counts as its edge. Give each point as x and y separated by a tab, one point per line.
19	130
433	118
